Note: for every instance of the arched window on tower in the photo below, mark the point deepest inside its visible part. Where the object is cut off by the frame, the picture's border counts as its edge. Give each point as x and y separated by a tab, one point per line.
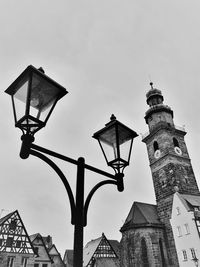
144	254
162	254
155	146
176	143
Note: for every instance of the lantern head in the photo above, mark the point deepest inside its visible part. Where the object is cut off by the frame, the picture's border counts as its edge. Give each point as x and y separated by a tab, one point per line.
34	96
116	141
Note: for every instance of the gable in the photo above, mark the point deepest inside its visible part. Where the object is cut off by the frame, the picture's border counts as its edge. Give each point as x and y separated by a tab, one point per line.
53	251
13	235
192	200
89	250
104	249
116	246
68	257
40	247
98	248
185	203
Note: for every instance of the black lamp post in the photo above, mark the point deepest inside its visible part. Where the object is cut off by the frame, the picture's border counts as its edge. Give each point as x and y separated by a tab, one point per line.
34	96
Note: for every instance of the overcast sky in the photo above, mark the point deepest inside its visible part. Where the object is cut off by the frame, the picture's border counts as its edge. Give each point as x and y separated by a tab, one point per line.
104	53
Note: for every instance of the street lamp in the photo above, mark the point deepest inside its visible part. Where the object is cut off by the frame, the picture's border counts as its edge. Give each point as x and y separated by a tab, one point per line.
34	96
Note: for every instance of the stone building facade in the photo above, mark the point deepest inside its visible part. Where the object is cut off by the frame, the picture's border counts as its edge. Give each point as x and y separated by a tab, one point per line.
150	244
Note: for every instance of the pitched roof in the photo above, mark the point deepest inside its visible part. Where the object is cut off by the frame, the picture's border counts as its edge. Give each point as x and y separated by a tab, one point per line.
33	237
53	250
89	250
68	257
3	219
116	246
54	253
189	201
142	214
39	236
48	241
92	247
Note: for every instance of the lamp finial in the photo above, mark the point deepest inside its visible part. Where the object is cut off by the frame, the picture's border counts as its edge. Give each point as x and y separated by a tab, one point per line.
112	118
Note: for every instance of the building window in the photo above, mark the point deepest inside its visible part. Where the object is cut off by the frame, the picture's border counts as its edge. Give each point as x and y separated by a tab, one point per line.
198	225
193	253
44	265
24	262
13	225
18	243
162	253
10	262
184	255
144	254
175	141
36	249
155	146
187	230
179	231
178	211
36	264
9	241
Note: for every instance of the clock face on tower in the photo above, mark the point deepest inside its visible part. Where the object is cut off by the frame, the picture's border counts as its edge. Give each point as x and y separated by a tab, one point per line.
157	154
178	150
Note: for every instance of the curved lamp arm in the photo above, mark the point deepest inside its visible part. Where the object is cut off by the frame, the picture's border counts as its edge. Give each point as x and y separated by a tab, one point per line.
94	189
63	179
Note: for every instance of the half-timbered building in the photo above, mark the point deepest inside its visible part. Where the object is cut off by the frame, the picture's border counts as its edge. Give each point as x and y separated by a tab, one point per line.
100	252
16	248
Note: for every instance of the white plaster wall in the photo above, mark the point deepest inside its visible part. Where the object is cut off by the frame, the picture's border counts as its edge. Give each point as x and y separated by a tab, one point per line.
186	241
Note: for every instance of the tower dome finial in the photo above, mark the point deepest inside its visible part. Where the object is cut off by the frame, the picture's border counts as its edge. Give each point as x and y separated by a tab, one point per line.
151	84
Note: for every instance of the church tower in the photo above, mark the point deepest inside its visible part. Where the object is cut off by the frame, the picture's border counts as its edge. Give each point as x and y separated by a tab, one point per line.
169	162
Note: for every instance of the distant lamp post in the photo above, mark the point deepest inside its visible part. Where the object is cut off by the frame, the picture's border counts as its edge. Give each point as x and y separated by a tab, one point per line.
196	261
34	96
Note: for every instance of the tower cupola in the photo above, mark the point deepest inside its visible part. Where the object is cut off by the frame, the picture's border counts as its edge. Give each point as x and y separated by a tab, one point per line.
157	112
154	96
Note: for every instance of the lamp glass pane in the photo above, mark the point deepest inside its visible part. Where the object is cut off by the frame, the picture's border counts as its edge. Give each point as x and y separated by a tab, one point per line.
109	136
125	150
125	139
110	151
124	134
43	96
20	97
109	143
